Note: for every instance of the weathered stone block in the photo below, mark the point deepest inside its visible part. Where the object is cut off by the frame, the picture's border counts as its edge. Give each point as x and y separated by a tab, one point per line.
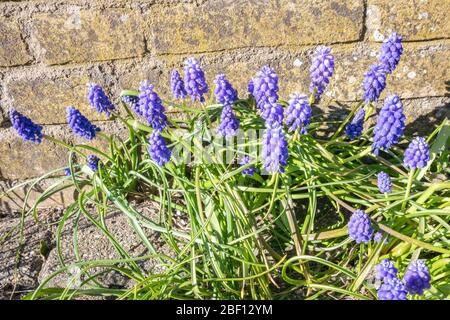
87	36
219	25
21	159
44	99
12	47
418	20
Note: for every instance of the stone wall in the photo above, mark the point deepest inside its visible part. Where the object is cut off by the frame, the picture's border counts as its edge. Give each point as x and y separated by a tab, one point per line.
50	49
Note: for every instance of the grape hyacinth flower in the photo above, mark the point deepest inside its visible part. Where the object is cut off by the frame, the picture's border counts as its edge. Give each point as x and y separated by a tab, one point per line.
321	70
392	289
417	154
93	162
229	124
158	149
360	227
194	80
374	83
250	87
99	100
132	101
378	236
177	85
250	171
417	277
67	172
80	125
390	52
384	182
265	87
274	151
150	106
273	114
390	124
298	113
25	127
224	91
385	270
355	127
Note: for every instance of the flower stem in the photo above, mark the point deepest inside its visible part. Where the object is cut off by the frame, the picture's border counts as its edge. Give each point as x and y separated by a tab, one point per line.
408	188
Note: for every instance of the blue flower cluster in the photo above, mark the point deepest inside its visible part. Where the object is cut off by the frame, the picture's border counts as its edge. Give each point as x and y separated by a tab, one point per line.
226	95
158	149
264	87
417	154
417	277
375	78
194	80
133	102
374	83
229	124
250	171
390	52
265	90
392	289
99	100
378	236
150	106
355	127
274	151
298	113
360	227
27	129
384	182
224	91
93	162
322	69
415	281
386	269
177	85
80	125
390	124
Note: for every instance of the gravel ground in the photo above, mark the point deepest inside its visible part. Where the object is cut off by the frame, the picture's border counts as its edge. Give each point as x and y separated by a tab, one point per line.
38	258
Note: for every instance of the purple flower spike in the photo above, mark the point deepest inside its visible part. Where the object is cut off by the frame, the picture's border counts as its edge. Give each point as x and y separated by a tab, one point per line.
177	85
417	154
99	100
132	101
93	162
360	227
390	124
386	269
27	129
194	80
354	129
224	91
250	171
158	149
378	236
322	69
273	114
150	106
80	125
374	83
392	289
265	87
417	277
298	113
275	151
390	53
384	182
229	124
